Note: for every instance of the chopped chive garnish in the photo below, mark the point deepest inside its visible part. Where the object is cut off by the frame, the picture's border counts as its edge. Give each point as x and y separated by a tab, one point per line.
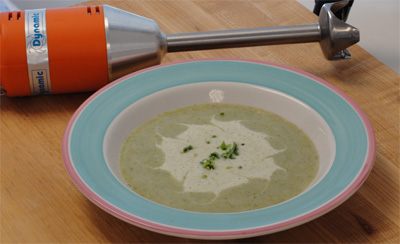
208	164
214	156
231	152
240	167
223	146
222	113
204	176
214	136
188	148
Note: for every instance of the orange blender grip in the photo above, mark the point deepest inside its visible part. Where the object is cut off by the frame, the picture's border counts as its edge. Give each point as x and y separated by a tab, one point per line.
13	66
77	51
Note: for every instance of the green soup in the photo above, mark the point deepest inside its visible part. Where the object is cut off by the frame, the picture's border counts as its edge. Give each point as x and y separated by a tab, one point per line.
218	158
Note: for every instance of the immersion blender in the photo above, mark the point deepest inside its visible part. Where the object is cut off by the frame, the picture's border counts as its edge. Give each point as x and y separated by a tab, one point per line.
78	49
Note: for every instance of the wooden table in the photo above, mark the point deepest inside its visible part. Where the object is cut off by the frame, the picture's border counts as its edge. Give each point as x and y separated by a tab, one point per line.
40	204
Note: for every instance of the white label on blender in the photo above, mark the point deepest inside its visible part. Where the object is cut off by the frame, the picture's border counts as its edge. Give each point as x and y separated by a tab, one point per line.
37	52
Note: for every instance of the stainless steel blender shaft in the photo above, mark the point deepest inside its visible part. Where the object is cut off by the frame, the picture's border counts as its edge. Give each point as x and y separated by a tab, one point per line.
333	34
243	37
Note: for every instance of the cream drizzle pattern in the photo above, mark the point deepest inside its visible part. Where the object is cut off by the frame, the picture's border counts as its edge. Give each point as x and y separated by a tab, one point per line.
254	160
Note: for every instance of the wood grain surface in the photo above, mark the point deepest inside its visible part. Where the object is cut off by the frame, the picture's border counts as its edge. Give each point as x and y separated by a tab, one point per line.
40	204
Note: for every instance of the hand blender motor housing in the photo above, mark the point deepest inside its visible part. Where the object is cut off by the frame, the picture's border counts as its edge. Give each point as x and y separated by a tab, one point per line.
74	49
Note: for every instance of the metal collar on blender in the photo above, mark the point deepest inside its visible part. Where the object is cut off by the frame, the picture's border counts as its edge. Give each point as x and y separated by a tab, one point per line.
133	42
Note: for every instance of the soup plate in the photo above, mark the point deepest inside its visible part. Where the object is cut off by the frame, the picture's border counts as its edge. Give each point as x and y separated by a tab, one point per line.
338	127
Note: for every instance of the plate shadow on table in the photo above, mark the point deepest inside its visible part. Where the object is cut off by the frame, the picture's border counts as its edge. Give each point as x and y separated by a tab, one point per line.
47	104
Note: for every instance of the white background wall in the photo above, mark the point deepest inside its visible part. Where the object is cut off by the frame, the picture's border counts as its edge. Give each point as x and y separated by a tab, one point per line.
377	20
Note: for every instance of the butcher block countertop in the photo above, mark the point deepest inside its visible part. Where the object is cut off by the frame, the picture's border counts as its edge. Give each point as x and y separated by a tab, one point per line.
40	203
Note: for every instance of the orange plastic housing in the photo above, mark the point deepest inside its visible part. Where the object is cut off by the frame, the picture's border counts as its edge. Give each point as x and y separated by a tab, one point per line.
77	50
